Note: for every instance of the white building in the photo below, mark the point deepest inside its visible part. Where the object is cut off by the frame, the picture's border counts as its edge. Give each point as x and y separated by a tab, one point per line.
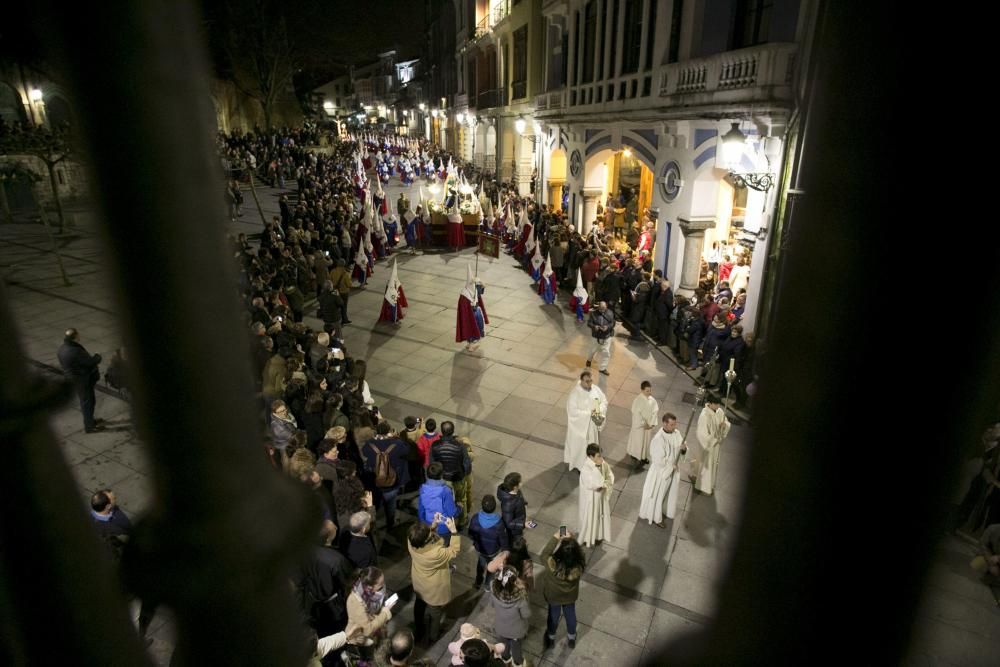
637	96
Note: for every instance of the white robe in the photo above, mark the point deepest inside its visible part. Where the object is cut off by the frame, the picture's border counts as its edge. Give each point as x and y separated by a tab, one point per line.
662	480
713	427
580	428
644	412
595	503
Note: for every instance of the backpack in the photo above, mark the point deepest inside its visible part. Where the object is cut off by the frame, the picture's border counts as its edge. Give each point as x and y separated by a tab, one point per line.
385	474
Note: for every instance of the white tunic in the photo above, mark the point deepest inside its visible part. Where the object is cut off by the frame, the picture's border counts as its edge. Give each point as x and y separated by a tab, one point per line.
662	479
644	412
713	427
580	428
595	502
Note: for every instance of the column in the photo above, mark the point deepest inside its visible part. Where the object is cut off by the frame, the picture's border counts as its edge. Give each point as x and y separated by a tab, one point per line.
590	198
555	192
693	229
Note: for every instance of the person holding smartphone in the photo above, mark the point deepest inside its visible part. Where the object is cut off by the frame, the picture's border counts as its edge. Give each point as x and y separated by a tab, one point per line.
430	573
564	563
367	606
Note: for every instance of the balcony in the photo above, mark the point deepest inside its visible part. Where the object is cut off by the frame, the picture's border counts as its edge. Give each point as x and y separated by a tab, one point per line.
551	100
760	74
489	99
491	18
732	76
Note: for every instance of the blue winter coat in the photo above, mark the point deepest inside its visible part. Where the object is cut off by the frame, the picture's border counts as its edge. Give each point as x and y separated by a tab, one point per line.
436	496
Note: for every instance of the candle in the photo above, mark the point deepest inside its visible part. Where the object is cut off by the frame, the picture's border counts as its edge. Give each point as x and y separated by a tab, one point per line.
732	363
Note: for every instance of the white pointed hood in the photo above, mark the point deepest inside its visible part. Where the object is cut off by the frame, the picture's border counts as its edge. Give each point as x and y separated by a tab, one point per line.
469	291
580	292
360	259
548	266
392	288
536	258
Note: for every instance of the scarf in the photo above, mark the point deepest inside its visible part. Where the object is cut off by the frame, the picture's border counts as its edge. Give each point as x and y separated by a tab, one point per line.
371	598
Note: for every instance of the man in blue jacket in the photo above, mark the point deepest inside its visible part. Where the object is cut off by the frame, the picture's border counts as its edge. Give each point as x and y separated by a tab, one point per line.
488	535
436	497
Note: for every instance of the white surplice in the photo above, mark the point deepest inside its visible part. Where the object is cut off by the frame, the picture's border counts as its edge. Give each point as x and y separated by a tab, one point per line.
580	428
644	411
662	481
596	483
713	427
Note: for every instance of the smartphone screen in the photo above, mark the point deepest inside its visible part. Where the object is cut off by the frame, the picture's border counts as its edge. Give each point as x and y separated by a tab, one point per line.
562	531
392	599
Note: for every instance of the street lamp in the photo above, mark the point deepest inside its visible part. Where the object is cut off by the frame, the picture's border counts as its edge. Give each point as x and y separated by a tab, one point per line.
520	125
35	95
422	106
733	145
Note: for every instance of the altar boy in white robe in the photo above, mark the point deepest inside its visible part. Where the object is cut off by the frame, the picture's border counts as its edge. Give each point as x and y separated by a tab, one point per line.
596	482
644	412
663	477
713	427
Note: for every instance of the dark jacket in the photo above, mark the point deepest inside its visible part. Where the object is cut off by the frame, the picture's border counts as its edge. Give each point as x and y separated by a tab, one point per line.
79	365
324	580
514	510
488	533
610	289
361	551
731	348
453	456
602	318
330	305
559	588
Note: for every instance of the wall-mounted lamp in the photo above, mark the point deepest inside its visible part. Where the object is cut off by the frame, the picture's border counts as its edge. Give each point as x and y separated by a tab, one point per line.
460	118
520	125
733	145
35	95
627	152
434	113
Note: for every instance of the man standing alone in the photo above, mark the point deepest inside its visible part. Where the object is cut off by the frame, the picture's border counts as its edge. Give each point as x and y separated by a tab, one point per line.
602	327
81	368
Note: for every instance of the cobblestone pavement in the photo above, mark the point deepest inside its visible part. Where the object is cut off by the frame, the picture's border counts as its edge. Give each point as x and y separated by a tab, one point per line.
642	588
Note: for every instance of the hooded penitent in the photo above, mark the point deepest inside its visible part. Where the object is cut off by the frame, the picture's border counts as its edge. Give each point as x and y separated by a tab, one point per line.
394	304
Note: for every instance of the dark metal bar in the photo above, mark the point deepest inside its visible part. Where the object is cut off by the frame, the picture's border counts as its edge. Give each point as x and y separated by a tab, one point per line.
851	469
223	531
59	593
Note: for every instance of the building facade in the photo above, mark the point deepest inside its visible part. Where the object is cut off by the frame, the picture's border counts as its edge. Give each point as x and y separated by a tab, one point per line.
637	97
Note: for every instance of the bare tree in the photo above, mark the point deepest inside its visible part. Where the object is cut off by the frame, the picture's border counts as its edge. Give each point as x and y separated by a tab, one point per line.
51	146
260	53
